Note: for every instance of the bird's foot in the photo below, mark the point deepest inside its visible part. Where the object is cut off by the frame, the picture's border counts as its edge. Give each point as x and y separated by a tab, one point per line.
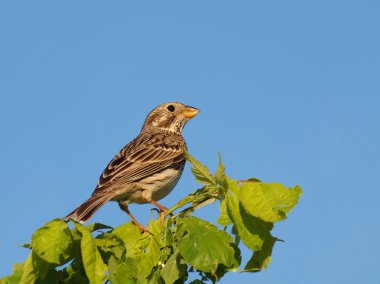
162	209
142	228
162	216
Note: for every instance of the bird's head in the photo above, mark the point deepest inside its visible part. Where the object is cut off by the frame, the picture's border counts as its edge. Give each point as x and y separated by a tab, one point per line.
170	117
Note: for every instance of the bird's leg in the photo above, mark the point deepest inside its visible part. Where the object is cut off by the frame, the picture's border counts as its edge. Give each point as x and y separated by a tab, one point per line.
162	208
147	195
126	210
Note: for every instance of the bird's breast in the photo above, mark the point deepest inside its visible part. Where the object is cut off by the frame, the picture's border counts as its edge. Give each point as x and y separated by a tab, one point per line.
156	187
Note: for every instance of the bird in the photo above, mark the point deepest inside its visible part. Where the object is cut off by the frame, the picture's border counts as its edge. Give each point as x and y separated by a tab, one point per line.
146	169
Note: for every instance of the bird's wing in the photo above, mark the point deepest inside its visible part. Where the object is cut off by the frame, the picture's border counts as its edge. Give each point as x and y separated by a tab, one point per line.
143	157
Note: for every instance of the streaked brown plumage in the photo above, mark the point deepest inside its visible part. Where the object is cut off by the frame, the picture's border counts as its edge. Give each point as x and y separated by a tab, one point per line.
148	168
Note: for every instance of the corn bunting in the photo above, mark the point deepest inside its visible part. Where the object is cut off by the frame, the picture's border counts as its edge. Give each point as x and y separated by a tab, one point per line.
148	168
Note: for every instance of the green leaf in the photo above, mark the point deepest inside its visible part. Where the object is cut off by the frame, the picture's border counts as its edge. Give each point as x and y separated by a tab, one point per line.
40	265
97	226
232	185
155	277
26	245
167	238
251	230
173	269
147	249
144	248
224	219
143	252
220	175
51	277
124	272
29	275
261	258
53	242
93	264
35	270
268	201
204	246
110	244
201	172
199	198
130	235
254	180
247	227
74	273
15	277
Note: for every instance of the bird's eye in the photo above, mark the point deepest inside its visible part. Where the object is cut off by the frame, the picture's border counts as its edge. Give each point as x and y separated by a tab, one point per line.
171	108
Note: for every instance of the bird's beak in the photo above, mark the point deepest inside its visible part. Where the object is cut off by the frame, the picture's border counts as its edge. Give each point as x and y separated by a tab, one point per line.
190	112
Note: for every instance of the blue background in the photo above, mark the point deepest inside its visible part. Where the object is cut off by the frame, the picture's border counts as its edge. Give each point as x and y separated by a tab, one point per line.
289	92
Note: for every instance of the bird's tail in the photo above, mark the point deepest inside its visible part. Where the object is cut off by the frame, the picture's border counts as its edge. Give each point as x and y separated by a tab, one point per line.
89	207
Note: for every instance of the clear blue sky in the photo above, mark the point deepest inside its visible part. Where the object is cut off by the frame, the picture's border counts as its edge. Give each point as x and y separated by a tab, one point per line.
289	92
